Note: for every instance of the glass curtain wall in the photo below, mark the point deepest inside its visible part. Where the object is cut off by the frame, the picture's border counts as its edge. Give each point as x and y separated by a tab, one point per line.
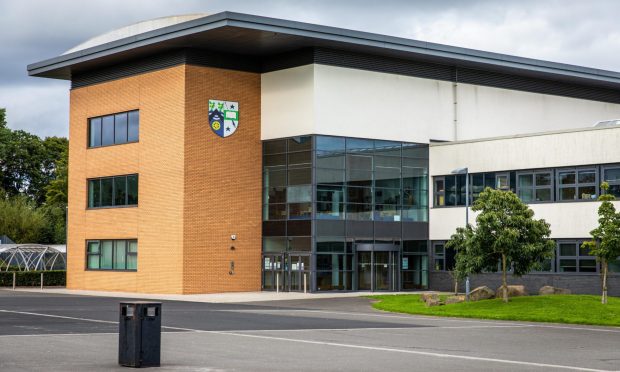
336	191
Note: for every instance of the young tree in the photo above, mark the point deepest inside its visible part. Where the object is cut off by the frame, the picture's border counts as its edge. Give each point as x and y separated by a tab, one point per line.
605	244
459	243
505	233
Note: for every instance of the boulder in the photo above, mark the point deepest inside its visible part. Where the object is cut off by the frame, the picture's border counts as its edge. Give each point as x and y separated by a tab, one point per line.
550	290
513	291
426	295
455	299
481	293
433	302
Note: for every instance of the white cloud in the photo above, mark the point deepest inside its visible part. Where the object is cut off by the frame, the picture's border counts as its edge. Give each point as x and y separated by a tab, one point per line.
568	31
42	109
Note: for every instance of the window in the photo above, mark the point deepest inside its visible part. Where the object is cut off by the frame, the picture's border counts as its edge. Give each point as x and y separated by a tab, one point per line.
611	175
113	191
439	192
112	255
443	258
577	184
535	186
113	129
571	258
502	181
439	253
414	264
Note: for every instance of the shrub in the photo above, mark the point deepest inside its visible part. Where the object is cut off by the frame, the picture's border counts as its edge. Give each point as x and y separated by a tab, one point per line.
33	278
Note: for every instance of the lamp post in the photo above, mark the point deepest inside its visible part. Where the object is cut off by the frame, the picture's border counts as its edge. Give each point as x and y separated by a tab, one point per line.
465	171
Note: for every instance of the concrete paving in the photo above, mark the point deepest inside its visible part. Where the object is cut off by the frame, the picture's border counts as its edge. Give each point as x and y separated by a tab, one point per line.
232	297
60	332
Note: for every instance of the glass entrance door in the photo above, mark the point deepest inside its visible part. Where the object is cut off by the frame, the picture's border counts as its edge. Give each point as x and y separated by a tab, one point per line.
364	271
382	270
376	271
299	270
274	272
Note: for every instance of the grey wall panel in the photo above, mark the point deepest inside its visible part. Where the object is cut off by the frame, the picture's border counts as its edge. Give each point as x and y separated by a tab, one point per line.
415	230
387	230
360	229
330	228
578	284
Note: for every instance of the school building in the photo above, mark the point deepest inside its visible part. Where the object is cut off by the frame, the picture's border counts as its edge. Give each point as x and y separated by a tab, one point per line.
233	152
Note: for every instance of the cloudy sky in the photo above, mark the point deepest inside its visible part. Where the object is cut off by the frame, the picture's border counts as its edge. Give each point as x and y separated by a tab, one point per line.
571	31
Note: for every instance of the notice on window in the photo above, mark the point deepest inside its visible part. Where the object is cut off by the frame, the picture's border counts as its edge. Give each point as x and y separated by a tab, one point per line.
405	263
267	263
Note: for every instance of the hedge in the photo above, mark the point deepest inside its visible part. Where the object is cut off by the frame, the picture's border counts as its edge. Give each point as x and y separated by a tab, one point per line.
33	278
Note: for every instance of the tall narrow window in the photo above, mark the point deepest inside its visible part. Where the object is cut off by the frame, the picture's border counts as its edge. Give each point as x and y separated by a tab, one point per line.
94	193
132	189
94	131
120	128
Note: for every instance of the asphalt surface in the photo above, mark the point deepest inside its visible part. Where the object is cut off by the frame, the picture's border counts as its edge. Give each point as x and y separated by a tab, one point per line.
45	332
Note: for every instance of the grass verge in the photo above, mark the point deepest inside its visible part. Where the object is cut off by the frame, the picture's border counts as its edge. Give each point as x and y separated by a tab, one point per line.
571	309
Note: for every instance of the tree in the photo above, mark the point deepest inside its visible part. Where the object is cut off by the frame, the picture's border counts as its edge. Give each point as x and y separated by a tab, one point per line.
505	235
28	163
605	243
21	220
459	243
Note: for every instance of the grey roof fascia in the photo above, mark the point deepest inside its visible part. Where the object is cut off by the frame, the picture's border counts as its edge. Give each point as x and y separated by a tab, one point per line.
324	33
166	33
420	47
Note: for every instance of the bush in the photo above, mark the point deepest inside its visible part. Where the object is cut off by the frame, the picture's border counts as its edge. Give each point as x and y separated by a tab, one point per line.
33	278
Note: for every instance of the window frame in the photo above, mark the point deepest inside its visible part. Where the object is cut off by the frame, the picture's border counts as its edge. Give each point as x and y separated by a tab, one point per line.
535	187
114	245
577	257
113	116
575	186
113	178
437	194
604	168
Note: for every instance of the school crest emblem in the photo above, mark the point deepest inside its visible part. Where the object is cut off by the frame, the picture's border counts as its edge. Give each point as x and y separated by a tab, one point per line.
223	117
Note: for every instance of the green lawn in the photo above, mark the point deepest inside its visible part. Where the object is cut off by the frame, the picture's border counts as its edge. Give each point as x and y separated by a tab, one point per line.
574	309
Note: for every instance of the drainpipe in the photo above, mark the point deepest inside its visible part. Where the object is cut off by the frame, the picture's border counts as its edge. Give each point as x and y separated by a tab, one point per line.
455	102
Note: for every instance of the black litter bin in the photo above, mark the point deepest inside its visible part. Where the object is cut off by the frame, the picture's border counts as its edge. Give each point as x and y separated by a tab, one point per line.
139	334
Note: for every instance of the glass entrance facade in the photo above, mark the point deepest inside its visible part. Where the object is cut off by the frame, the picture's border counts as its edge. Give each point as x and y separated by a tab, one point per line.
355	209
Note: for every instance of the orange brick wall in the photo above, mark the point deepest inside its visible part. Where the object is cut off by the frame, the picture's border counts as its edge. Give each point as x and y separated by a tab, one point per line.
195	188
223	185
158	159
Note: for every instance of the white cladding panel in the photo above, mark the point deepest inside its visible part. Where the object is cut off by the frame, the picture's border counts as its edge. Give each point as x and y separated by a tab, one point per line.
287	102
567	220
589	146
320	99
490	112
367	104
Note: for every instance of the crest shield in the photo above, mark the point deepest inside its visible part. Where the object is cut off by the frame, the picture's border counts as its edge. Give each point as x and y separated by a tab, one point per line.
223	117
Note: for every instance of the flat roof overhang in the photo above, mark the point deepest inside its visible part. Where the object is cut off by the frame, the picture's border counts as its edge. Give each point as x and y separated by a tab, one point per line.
257	36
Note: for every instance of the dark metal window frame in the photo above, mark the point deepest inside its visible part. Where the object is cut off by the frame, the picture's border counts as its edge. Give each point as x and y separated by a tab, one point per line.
114	241
603	168
597	168
578	258
88	132
435	256
559	187
126	205
535	186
